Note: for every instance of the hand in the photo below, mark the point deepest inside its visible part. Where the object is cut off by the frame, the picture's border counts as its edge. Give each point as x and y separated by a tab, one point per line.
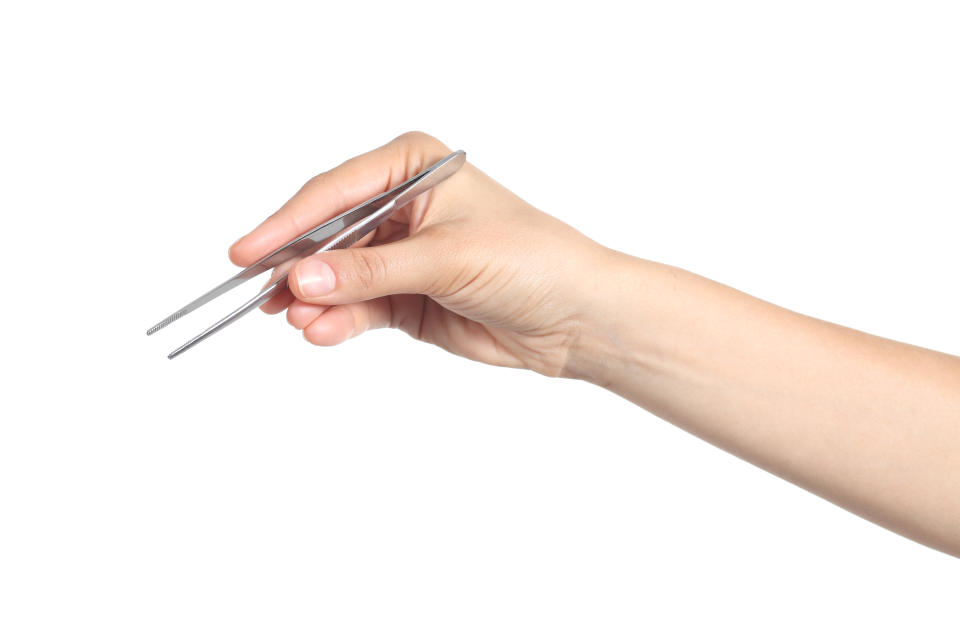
467	266
865	422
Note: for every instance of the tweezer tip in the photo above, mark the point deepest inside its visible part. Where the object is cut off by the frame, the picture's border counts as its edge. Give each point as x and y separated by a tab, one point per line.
167	321
173	354
160	325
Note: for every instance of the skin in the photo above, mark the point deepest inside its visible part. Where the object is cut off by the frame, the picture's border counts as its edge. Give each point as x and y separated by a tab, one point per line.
870	424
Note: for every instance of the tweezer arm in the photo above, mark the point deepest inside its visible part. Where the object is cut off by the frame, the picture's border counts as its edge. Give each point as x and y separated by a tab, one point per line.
338	233
343	240
302	245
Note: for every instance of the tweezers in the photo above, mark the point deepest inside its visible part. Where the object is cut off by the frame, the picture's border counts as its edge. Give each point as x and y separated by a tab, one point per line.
337	233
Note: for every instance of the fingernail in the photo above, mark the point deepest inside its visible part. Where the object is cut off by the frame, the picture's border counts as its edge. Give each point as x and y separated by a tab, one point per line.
316	278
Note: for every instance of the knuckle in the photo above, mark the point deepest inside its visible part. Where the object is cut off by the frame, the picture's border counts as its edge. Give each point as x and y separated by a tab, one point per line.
314	181
418	140
360	321
450	257
415	137
369	268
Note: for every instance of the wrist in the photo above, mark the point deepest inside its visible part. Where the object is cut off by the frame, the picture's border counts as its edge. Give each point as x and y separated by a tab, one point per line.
612	334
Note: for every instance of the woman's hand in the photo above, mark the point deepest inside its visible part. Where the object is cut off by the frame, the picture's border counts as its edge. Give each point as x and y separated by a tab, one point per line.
870	424
467	266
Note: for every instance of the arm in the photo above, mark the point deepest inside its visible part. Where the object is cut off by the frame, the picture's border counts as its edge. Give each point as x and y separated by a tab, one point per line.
870	424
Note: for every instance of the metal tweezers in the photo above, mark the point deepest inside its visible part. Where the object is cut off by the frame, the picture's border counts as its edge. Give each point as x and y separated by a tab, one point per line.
337	233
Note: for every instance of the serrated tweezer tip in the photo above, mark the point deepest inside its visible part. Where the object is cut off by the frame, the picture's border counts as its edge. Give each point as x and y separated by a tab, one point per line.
169	319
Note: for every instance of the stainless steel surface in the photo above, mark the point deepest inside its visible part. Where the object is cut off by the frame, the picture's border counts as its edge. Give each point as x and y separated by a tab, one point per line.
339	232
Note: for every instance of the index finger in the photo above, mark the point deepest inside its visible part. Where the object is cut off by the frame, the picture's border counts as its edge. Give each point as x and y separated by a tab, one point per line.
335	191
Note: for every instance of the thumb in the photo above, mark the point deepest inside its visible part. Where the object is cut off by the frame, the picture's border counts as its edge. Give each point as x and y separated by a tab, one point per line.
411	265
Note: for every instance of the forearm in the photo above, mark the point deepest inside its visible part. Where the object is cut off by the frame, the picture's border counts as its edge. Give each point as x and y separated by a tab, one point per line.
868	423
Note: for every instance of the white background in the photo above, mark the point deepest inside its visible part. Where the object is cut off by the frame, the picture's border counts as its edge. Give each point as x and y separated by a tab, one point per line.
258	487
